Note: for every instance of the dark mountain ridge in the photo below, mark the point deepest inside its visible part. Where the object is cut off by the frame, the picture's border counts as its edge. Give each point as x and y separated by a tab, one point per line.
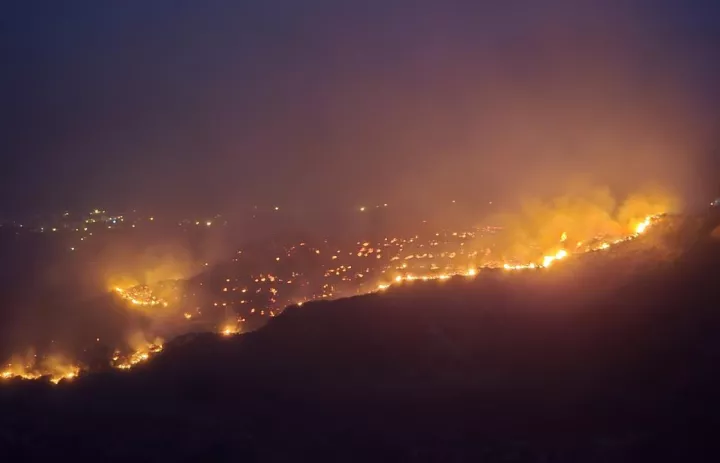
608	357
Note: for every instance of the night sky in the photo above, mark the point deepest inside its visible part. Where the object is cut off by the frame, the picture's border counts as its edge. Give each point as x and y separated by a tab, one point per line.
321	105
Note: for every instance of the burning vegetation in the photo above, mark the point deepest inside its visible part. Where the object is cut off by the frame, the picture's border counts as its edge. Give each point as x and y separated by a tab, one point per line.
229	298
55	368
142	354
140	295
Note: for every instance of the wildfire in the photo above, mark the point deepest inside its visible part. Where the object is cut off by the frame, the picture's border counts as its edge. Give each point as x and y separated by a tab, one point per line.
546	262
230	329
54	368
140	355
141	296
642	226
429	263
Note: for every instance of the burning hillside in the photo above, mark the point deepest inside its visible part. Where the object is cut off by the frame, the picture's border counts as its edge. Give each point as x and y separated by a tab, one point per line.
140	295
258	282
55	368
305	272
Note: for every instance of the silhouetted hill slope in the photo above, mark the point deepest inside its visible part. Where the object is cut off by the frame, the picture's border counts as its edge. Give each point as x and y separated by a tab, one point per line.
609	357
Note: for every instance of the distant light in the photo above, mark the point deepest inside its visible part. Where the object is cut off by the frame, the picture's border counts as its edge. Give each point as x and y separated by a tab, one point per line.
152	218
362	209
208	223
54	229
385	205
72	249
277	208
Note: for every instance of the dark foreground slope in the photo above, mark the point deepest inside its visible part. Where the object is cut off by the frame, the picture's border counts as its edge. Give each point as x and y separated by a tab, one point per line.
610	357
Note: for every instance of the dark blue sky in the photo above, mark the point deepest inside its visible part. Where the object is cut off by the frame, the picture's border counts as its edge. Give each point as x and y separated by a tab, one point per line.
323	104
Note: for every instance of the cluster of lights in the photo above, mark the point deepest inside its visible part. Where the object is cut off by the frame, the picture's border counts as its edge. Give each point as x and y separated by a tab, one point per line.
364	208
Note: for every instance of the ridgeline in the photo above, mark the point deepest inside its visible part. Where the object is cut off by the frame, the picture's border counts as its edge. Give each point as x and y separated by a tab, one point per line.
608	357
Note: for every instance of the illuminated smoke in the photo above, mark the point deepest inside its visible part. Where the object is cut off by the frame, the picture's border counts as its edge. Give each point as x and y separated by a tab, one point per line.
572	222
30	366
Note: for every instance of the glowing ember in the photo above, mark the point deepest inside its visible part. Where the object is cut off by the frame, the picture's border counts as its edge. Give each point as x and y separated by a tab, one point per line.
140	296
401	260
140	355
54	368
547	261
230	329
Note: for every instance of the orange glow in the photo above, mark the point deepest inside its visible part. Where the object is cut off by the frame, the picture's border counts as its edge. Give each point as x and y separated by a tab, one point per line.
426	261
55	368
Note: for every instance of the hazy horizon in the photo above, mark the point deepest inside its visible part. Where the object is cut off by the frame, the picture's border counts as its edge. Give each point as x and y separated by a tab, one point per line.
328	106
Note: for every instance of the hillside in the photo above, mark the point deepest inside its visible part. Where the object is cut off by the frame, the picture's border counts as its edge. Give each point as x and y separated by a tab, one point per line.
610	357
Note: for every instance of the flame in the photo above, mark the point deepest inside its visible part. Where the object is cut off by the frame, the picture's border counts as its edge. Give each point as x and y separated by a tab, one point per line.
140	296
58	369
643	226
230	329
140	355
55	368
546	262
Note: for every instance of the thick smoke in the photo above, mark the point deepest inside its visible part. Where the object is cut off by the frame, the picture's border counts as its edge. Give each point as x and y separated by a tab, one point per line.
149	266
168	254
570	221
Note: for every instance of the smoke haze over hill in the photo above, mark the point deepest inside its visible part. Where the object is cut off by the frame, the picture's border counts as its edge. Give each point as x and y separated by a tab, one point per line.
333	105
